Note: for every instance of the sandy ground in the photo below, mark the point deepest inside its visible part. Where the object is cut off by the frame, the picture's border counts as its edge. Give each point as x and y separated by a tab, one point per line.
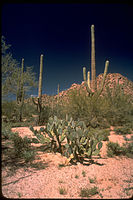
113	177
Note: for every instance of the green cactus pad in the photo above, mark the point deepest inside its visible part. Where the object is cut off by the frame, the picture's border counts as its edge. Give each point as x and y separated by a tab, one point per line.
100	144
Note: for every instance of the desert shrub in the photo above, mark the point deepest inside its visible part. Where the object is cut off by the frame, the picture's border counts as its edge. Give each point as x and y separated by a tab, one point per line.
86	192
28	110
91	110
92	180
59	111
22	147
123	130
114	149
77	104
83	173
128	149
101	133
6	130
10	110
120	108
62	191
44	115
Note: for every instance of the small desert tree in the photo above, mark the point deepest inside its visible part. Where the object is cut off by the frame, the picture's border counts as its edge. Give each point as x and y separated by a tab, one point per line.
12	75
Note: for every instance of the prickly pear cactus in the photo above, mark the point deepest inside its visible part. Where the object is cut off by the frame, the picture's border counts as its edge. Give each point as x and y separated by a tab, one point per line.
71	138
80	142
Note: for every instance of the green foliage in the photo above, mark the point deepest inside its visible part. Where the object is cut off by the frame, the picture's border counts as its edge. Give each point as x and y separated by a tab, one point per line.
83	173
123	130
11	73
6	131
76	176
44	115
77	104
113	107
128	149
22	147
114	149
102	134
28	111
119	110
92	180
58	110
90	109
85	192
10	110
62	191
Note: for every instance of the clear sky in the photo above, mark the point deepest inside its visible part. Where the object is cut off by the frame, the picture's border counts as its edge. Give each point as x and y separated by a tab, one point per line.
62	33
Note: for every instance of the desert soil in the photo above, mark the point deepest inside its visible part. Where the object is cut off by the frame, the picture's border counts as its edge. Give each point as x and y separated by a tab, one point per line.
112	176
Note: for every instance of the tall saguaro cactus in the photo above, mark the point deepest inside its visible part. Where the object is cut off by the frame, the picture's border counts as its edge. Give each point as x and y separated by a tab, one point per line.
40	77
92	88
22	79
58	91
20	91
39	98
93	63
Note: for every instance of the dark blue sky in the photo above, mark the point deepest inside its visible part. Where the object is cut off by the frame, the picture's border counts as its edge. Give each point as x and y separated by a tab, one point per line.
62	33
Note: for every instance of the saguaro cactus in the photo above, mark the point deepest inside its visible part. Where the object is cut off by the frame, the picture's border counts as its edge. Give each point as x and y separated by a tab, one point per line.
20	91
87	82
58	90
39	98
40	77
93	63
92	89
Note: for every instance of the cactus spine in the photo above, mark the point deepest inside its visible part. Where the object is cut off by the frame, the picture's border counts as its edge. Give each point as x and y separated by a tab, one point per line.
93	63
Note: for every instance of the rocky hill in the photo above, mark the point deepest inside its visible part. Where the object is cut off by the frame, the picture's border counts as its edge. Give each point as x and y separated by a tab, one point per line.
111	81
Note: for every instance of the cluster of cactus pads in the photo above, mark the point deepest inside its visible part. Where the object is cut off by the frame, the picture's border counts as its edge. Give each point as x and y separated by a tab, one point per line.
70	138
